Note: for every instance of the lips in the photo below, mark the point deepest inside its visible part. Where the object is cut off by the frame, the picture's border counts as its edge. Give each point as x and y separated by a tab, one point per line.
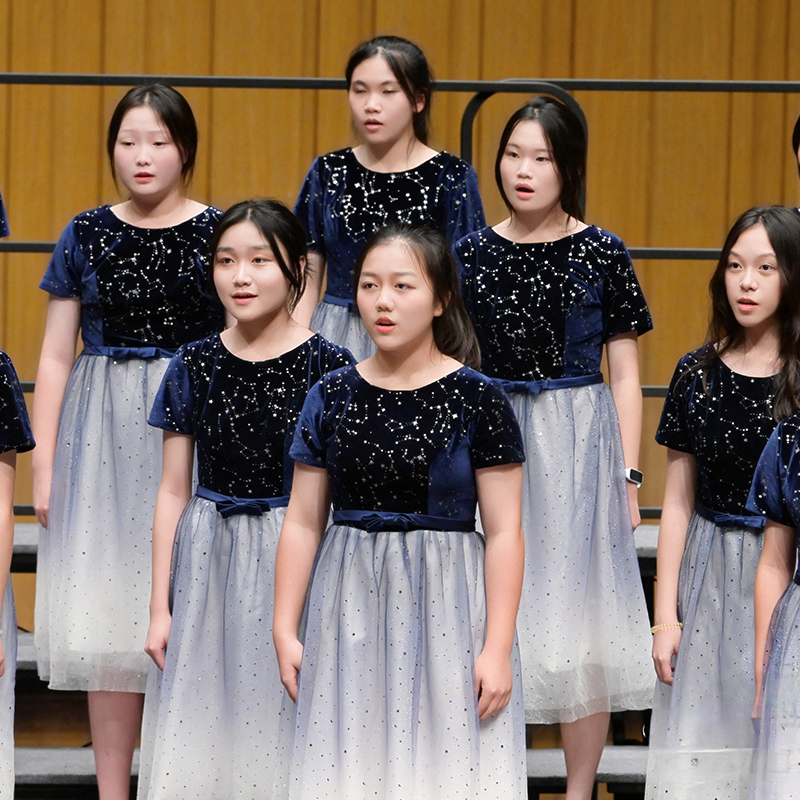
373	124
242	297
746	302
523	190
384	324
142	177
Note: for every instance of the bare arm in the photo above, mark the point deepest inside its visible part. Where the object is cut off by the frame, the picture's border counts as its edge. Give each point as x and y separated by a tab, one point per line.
303	526
315	271
500	501
55	365
623	378
174	492
679	498
8	462
775	571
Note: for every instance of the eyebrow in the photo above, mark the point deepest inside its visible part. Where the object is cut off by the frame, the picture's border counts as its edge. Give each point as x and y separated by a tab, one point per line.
512	143
392	82
768	254
398	274
222	249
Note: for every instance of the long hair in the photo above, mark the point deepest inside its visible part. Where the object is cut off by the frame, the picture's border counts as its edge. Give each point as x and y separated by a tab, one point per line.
453	333
796	142
170	106
280	229
409	67
725	333
567	139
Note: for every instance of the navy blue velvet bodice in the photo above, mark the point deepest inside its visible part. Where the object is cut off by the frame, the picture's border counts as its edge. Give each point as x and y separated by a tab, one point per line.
241	413
725	429
342	203
138	286
411	451
544	310
3	219
15	427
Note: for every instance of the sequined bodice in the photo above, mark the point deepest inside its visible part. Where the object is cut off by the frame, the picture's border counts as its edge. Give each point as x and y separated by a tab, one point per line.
241	413
15	427
342	203
138	286
544	310
725	428
407	451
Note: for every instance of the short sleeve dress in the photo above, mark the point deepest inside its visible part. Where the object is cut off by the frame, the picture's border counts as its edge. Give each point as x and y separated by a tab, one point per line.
342	203
776	493
542	313
143	294
15	434
216	705
701	734
396	609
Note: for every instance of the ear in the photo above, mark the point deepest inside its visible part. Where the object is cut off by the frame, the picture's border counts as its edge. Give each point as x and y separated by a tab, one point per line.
440	307
302	264
420	102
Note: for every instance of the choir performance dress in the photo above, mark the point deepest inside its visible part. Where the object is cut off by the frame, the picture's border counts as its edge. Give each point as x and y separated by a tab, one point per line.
211	718
15	434
701	734
396	608
542	313
142	294
776	493
341	205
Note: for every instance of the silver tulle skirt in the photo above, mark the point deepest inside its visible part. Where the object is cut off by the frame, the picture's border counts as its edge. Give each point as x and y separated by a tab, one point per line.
211	719
93	572
341	327
387	705
701	734
8	635
583	628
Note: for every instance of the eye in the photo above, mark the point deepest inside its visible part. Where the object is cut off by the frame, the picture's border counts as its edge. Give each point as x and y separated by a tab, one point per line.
768	267
543	159
733	265
223	261
367	285
511	154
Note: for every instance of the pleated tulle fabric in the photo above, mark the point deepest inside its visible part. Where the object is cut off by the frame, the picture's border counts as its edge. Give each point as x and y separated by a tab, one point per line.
341	327
211	720
93	573
776	761
582	625
8	635
701	734
386	706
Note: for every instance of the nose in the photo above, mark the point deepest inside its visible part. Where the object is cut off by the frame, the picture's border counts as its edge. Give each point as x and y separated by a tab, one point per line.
384	301
372	102
142	155
524	169
241	276
749	278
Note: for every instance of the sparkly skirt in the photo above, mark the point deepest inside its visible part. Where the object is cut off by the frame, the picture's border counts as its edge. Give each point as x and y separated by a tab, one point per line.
340	326
776	762
386	706
701	734
210	727
583	628
93	571
8	636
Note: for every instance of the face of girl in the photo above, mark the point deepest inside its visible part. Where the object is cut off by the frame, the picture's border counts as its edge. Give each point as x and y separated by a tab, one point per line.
753	280
382	114
529	174
396	300
147	161
248	279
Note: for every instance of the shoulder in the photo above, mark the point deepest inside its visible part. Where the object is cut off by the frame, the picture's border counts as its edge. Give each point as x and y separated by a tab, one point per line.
333	354
201	350
602	241
451	167
480	386
475	241
87	223
334	161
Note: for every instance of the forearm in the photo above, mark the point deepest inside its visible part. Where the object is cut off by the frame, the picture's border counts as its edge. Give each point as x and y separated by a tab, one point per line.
51	382
627	394
169	507
8	462
504	567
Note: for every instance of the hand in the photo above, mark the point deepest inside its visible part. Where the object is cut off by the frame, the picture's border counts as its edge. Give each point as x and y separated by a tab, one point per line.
157	637
665	645
2	659
633	502
493	680
41	496
290	655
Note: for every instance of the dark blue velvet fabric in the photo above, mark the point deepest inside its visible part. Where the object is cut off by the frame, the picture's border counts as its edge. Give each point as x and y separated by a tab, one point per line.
15	427
138	287
725	429
343	203
544	310
3	219
241	413
411	452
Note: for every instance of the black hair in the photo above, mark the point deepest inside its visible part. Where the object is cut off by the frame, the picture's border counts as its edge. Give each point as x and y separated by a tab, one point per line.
783	230
409	67
453	333
796	142
567	139
170	106
280	229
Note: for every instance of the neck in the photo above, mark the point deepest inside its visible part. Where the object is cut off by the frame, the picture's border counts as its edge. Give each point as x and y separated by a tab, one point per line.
759	352
539	226
262	339
409	368
397	156
162	210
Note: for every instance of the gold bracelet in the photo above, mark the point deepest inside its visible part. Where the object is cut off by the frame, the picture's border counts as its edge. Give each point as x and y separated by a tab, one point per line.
666	625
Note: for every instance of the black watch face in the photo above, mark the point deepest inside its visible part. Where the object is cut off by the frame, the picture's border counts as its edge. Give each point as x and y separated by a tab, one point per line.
635	475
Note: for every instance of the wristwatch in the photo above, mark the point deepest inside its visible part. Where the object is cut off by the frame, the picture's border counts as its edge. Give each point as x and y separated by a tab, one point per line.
634	476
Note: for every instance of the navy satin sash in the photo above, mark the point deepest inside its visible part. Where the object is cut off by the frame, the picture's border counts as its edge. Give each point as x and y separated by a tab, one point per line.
730	520
338	301
374	521
253	506
534	387
125	353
